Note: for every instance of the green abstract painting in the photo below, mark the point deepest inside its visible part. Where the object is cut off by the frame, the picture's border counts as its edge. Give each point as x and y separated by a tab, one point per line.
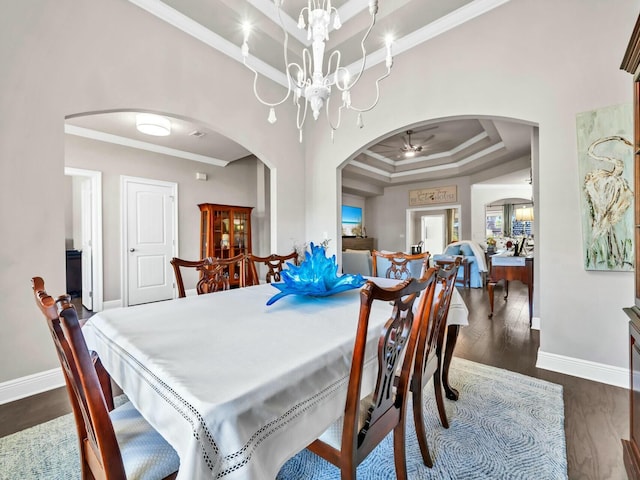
605	169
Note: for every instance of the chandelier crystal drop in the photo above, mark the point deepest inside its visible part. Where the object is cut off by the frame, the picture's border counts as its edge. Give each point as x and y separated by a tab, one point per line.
307	83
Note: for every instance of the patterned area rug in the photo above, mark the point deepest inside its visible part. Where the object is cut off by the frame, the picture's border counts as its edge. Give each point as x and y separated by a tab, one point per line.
505	425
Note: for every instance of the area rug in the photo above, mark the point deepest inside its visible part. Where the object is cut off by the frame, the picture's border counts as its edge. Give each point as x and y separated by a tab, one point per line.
504	426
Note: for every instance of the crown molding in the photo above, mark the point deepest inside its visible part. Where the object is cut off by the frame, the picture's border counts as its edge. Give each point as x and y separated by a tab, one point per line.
434	156
436	168
347	11
150	147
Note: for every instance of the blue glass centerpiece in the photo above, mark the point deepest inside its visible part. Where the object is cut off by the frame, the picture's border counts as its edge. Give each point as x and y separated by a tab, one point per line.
316	276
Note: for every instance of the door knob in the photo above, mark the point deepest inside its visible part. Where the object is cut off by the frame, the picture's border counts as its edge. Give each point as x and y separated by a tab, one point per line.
132	249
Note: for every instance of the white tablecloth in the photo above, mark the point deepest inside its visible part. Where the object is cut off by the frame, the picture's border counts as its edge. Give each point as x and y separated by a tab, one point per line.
458	312
235	387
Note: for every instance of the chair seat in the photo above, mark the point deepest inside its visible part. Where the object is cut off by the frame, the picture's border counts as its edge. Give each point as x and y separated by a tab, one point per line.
145	454
333	435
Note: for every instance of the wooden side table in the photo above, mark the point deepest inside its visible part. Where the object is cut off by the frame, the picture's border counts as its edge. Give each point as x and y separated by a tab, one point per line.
464	263
511	268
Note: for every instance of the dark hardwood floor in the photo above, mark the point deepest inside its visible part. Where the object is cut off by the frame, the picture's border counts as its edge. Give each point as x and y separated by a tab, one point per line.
596	415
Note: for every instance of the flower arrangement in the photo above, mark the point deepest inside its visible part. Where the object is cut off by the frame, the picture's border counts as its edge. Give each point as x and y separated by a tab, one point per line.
491	242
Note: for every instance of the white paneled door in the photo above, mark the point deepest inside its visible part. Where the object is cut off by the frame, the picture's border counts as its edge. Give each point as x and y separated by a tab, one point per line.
149	240
86	227
433	233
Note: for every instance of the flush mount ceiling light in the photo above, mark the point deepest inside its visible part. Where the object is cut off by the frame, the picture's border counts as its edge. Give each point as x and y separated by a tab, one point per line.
308	80
151	124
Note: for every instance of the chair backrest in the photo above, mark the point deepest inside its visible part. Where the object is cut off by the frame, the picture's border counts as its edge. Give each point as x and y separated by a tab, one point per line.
215	273
399	265
433	325
356	261
363	430
218	273
274	264
99	450
178	264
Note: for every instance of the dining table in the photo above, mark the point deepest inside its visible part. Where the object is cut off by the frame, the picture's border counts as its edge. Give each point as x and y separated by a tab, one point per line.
235	386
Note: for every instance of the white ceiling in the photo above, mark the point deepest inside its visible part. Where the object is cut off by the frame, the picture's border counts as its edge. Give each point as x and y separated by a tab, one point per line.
448	149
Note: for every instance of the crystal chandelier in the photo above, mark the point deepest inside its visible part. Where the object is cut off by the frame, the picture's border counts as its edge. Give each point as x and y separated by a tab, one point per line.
308	80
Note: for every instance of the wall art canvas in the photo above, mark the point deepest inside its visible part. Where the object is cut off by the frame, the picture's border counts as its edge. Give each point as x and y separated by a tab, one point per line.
605	169
351	221
432	196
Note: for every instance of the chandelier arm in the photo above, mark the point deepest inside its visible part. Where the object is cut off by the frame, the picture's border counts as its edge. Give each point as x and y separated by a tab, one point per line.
364	54
334	76
257	95
340	108
375	102
294	79
286	62
300	123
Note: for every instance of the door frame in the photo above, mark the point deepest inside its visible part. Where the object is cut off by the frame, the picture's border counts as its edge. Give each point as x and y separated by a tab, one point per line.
410	212
125	180
95	178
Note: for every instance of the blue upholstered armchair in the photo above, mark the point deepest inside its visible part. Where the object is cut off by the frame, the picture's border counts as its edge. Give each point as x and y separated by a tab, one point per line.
356	261
474	255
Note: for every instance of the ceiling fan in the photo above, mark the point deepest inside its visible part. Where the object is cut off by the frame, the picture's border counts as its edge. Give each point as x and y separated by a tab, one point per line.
409	149
404	145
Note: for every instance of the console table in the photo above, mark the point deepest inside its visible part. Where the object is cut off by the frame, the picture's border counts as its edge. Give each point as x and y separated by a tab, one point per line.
507	269
358	243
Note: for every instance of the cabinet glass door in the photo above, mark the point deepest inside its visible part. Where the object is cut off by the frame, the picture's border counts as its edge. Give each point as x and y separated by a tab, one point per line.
221	234
204	233
240	232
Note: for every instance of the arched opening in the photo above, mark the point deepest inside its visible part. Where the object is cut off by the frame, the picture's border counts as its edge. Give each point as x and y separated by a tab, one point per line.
205	166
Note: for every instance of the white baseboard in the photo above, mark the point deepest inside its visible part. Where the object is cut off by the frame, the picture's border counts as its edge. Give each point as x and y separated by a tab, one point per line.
30	385
111	304
598	372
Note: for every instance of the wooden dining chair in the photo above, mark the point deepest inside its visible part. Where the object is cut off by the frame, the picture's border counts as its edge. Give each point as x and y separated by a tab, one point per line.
214	273
366	422
428	358
399	265
115	444
220	272
274	264
179	264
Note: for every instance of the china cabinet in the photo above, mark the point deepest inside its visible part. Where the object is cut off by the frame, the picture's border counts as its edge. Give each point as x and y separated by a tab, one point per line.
631	447
225	231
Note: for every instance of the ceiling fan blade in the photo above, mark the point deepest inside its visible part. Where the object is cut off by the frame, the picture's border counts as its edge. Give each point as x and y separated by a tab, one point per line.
425	140
386	145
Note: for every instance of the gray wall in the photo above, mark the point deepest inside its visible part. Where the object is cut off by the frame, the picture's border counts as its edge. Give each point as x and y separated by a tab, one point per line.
388	212
540	61
537	61
234	184
64	57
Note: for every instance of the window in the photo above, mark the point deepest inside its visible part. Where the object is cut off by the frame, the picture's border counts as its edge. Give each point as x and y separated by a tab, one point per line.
521	228
494	222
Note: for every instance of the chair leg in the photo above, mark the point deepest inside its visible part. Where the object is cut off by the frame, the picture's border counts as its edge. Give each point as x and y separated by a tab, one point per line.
437	386
348	472
418	420
399	453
